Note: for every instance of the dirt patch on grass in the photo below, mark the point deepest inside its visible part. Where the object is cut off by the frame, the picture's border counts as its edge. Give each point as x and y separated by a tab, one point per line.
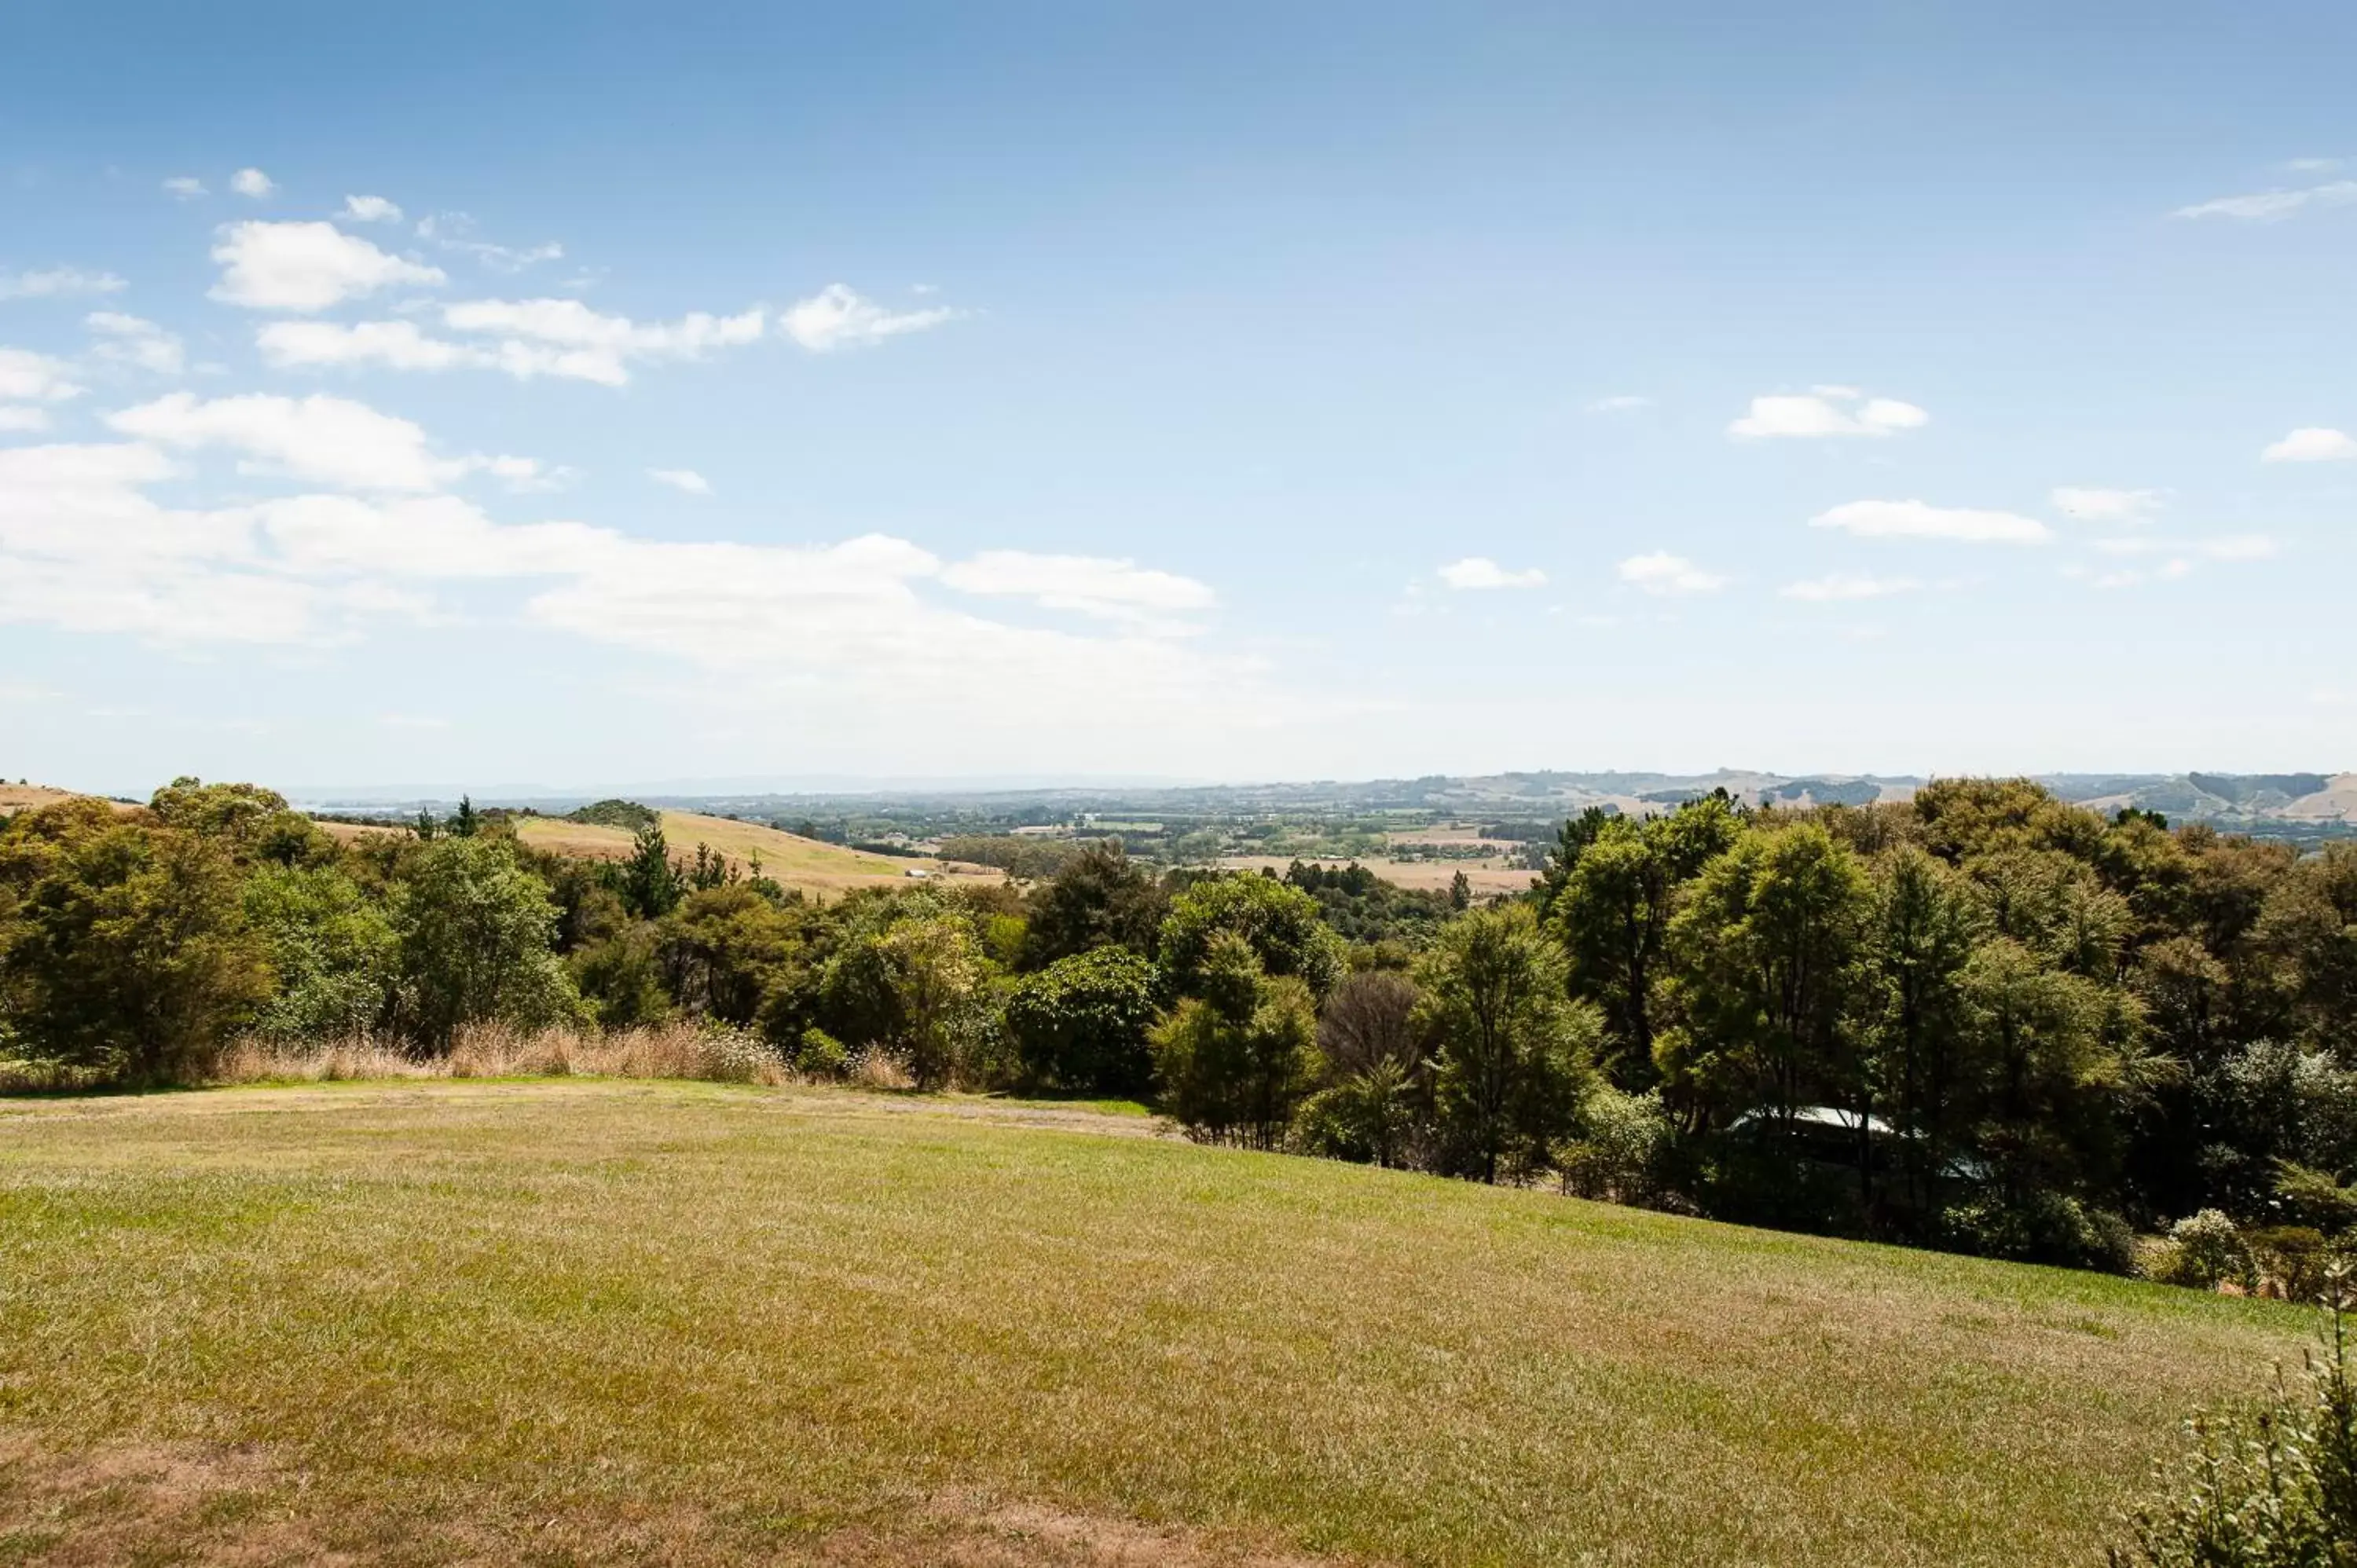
1032	1535
145	1502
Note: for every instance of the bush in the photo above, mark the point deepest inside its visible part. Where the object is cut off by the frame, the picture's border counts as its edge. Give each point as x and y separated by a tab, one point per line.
1081	1024
1235	1061
2279	1490
2043	1228
2204	1248
1370	1117
1623	1149
821	1055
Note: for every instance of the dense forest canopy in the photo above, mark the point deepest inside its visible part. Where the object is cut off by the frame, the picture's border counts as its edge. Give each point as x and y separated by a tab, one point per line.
1980	1018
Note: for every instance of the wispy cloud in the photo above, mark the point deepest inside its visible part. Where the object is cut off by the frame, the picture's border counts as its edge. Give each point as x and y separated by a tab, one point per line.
1620	403
185	187
370	210
2090	504
130	340
1844	586
1479	572
56	282
2265	206
686	480
1920	520
835	317
1667	574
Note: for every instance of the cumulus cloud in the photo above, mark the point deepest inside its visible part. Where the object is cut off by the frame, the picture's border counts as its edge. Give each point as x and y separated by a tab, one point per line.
370	210
686	480
27	377
1828	411
2094	505
2266	206
129	340
306	266
1919	520
1665	573
2311	444
56	282
330	440
1479	572
251	182
1843	586
835	317
185	187
1088	584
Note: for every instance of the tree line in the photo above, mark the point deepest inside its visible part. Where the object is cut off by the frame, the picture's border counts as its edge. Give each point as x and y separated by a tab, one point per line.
1983	1019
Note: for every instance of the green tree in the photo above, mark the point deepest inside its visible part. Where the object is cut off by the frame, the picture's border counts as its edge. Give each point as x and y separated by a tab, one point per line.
1236	1057
940	986
723	947
650	886
130	953
1512	1051
330	946
1100	898
1768	947
1081	1023
1281	925
473	933
1922	933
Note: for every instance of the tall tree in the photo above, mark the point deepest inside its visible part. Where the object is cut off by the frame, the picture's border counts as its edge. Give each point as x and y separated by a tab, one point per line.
1512	1052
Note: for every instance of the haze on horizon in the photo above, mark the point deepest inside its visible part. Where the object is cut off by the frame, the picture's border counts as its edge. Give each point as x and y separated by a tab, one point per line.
557	394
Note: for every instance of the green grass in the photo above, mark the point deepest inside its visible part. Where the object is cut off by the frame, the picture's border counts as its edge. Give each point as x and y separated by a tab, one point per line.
600	1321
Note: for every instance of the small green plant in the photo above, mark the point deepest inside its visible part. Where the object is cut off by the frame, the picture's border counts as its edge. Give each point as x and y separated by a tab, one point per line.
2203	1249
2277	1490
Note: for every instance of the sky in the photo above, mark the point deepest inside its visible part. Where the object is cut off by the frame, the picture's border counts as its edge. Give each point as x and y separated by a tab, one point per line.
581	395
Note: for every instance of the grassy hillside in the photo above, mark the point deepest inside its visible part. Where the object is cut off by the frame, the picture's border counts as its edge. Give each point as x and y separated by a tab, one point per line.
795	861
603	1322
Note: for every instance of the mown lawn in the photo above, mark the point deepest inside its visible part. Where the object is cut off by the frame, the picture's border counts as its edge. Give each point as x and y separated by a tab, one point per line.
622	1322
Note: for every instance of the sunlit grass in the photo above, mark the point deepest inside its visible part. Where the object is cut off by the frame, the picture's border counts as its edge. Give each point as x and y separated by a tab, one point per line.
591	1321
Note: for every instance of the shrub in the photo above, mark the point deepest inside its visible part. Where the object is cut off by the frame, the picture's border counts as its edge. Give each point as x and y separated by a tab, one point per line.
821	1055
1081	1023
1623	1148
2042	1228
2277	1490
1235	1061
2203	1249
1370	1117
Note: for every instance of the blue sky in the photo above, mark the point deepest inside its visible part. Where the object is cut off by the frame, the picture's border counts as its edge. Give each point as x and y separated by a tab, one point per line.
1205	391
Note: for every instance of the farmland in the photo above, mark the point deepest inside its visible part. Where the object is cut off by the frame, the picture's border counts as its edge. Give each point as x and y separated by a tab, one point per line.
789	858
591	1321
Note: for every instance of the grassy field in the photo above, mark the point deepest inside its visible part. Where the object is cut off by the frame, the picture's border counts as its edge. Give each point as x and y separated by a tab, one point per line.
797	862
1493	875
591	1321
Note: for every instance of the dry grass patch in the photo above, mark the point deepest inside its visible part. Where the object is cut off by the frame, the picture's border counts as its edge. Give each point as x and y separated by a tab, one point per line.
810	864
717	1324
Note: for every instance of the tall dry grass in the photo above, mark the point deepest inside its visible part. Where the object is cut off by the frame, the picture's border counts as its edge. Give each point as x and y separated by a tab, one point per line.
494	1050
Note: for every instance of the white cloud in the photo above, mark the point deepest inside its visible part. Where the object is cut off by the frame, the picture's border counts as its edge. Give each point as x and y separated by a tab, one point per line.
185	187
565	337
1662	573
2265	206
1918	519
129	340
450	231
835	317
27	377
858	627
56	282
306	266
2223	547
328	439
1826	410
15	419
2311	444
1481	572
2095	505
686	480
1843	586
1110	590
1620	403
251	182
370	210
396	344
